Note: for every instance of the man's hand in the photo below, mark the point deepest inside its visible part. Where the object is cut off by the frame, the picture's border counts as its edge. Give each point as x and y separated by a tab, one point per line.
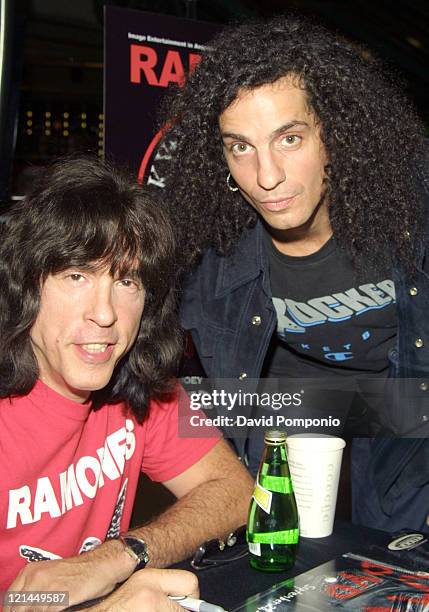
87	576
146	590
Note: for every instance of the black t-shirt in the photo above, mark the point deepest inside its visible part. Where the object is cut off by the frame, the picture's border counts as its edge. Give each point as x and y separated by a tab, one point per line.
329	323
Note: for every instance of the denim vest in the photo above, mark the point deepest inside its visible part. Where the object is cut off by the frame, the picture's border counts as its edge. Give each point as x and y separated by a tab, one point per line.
227	306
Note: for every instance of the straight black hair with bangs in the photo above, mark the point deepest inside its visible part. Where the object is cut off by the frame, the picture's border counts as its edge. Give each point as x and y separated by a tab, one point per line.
85	212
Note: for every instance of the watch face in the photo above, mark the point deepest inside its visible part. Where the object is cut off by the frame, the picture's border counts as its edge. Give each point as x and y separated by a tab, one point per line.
139	549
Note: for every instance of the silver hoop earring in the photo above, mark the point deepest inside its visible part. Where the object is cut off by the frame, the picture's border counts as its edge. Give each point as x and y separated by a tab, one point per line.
230	187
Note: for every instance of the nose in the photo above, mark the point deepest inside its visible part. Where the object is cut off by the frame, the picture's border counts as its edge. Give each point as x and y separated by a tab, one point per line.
101	308
271	171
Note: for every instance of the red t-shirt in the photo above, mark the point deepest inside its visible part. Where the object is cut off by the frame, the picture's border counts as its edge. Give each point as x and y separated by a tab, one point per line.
68	475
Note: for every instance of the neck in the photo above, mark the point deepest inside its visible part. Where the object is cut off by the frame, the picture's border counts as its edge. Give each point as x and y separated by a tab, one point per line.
306	239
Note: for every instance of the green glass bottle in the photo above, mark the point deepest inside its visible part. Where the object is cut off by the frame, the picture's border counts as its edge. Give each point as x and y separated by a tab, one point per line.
272	525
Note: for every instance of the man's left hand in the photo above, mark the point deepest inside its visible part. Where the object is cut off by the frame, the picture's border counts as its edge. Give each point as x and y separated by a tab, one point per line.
90	575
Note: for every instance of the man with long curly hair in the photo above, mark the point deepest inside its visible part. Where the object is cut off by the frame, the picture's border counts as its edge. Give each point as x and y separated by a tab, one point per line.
298	191
89	347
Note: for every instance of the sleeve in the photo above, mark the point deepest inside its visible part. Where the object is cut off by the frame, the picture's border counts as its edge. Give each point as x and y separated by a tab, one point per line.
166	454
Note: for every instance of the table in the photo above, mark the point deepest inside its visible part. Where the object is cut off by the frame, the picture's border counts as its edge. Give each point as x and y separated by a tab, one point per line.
229	585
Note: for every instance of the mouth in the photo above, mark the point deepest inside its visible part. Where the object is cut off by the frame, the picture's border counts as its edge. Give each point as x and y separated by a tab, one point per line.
277	204
95	352
94	347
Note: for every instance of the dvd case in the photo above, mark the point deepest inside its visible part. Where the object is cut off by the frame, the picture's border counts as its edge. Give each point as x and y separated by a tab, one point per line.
349	582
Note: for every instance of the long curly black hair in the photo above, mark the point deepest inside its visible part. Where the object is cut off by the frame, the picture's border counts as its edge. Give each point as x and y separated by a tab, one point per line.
372	135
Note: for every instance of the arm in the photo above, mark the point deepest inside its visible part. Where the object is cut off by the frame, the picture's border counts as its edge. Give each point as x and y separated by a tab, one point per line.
214	496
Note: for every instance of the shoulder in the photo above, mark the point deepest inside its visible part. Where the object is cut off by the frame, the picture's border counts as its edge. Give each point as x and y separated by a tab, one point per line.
7	402
212	267
167	401
207	268
165	408
17	402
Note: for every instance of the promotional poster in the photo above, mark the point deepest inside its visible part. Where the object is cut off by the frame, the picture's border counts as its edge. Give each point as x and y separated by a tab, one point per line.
145	53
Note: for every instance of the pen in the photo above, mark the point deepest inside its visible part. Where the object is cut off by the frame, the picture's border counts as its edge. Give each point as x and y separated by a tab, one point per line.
397	568
196	605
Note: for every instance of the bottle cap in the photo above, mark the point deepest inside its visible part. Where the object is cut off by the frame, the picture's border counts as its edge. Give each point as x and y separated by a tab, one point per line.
275	436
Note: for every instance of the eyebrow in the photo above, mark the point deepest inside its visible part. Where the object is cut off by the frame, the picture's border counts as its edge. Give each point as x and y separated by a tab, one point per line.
276	132
124	270
130	273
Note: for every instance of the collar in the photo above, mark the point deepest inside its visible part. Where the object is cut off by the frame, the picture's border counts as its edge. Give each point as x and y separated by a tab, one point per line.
244	264
423	187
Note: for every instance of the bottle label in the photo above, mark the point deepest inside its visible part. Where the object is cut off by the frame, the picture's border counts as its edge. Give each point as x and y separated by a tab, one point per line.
255	548
278	484
288	536
262	497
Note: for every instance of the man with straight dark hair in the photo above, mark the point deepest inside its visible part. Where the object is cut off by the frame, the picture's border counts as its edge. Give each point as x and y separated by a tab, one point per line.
89	345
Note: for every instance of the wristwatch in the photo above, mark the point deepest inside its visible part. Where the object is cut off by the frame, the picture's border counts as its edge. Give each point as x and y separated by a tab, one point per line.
137	549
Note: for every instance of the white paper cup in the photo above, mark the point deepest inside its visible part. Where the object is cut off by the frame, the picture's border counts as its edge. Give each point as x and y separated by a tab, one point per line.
315	464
